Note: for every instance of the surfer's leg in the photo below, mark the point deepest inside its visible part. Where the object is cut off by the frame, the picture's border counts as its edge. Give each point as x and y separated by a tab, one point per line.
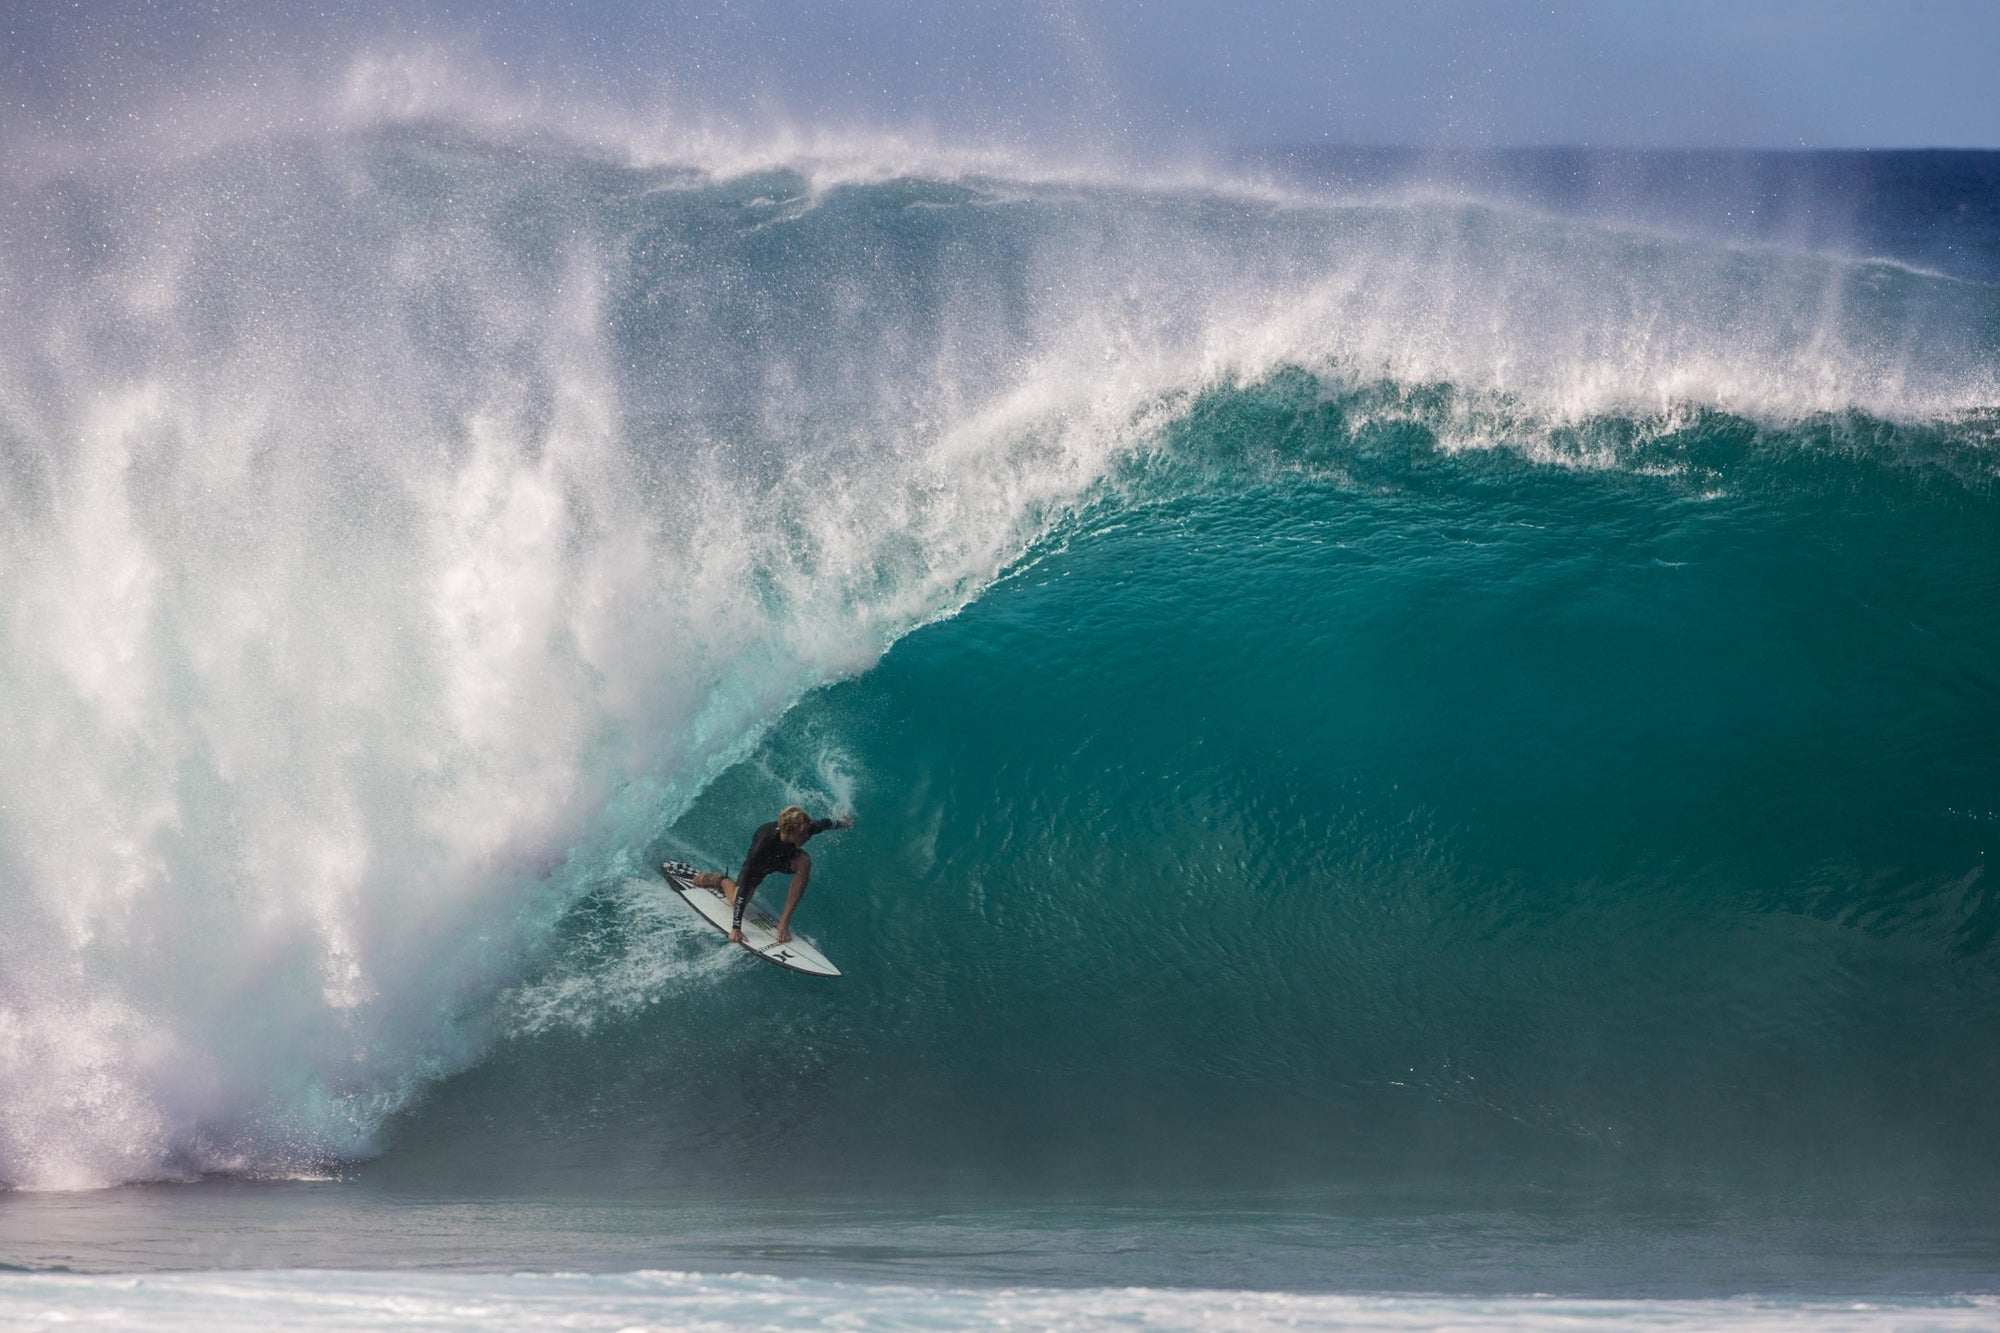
715	879
739	899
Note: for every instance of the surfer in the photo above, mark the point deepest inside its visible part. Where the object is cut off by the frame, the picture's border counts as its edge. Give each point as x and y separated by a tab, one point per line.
775	848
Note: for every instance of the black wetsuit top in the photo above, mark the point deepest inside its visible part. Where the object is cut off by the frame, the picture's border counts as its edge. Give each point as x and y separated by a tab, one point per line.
769	855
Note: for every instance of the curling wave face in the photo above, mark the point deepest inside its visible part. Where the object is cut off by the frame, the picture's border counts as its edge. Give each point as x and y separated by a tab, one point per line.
406	522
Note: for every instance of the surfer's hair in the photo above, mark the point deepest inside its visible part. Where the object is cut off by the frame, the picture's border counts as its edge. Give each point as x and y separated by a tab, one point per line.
791	819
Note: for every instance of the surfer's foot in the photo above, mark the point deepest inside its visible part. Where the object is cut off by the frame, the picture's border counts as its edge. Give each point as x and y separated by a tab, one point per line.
736	937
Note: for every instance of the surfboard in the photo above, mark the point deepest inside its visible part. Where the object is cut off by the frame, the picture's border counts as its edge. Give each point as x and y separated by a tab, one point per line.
760	928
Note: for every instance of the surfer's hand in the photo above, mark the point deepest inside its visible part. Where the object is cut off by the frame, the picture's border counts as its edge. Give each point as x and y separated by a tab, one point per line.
784	933
736	937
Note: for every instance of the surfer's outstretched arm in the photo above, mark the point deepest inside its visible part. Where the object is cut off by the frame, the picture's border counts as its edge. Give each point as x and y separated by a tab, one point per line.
802	872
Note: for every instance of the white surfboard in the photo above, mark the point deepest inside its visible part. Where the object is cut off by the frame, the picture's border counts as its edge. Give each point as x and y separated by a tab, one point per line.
760	928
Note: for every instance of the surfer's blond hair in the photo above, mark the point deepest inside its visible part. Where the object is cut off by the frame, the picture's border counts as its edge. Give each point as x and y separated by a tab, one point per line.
791	819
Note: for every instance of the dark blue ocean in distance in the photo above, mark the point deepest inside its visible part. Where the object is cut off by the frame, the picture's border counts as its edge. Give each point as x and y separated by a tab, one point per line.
1937	209
1420	723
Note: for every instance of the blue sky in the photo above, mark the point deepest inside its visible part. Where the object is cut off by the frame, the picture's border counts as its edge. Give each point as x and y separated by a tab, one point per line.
1731	73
